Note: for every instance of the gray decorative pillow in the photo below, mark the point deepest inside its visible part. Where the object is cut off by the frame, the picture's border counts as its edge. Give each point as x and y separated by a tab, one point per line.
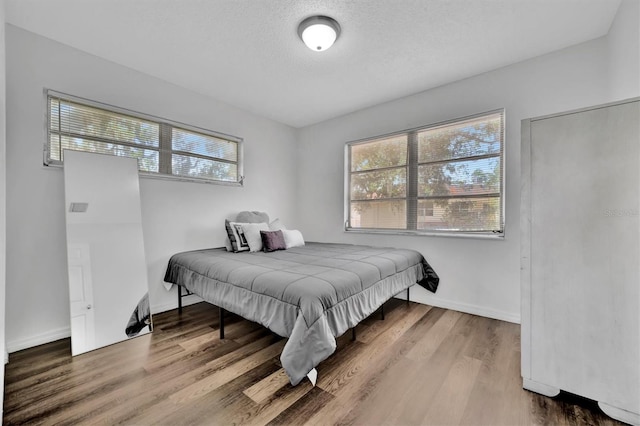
276	225
236	236
272	240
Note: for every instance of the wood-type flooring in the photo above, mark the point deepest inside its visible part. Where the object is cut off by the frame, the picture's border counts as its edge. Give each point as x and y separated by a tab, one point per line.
420	366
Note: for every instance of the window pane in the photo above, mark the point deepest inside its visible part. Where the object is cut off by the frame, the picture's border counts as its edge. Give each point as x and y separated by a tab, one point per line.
383	214
198	143
148	159
54	109
470	138
390	183
460	214
55	151
460	178
83	120
425	208
452	183
184	165
379	154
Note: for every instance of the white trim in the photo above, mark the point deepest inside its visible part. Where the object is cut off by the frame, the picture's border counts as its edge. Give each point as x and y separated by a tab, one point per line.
468	309
446	234
162	176
620	413
64	332
589	108
540	388
192	299
38	339
525	248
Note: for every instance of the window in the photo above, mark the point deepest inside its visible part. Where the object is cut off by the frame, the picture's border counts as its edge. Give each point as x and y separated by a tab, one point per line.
162	147
426	209
440	178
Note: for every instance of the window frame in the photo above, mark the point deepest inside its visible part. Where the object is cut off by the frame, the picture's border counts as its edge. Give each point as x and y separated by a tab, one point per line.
165	148
412	166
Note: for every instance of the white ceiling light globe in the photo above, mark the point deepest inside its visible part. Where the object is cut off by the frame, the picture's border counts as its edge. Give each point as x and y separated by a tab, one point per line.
318	37
319	32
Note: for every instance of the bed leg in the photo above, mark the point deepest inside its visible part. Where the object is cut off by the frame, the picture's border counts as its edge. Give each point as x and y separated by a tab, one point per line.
353	334
221	315
408	294
180	299
382	312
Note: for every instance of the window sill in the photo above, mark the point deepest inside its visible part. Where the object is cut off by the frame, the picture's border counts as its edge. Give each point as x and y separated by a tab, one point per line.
160	176
471	235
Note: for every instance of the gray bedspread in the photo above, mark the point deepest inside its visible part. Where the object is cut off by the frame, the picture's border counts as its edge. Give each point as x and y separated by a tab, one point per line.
310	294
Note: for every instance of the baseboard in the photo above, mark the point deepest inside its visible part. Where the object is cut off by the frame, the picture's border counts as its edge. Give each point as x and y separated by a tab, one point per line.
39	339
540	388
186	301
620	414
477	310
468	309
64	332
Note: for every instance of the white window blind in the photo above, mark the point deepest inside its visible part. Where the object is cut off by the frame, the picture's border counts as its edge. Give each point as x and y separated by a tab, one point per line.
162	147
441	178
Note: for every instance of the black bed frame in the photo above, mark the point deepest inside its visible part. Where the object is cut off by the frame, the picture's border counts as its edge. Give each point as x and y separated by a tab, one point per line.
221	311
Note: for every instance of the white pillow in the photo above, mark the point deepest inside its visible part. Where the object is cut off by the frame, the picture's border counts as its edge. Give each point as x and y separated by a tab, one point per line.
252	234
276	225
292	238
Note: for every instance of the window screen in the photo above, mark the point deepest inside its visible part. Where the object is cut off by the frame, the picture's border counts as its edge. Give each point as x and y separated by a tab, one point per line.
161	146
441	178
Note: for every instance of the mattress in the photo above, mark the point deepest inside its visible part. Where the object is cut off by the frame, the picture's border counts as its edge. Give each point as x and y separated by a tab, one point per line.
310	294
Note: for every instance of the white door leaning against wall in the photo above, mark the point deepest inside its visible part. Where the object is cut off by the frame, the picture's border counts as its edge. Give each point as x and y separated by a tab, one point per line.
81	298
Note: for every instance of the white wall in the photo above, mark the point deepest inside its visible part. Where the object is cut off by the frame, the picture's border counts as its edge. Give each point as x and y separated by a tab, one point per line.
477	276
623	42
299	181
3	197
177	216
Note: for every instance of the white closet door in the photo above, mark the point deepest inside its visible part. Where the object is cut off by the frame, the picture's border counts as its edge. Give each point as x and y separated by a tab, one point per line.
584	275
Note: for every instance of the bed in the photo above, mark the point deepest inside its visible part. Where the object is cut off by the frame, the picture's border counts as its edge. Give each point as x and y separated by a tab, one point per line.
310	294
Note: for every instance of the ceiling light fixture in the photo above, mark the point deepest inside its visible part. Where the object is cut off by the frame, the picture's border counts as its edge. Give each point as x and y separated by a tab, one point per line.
319	32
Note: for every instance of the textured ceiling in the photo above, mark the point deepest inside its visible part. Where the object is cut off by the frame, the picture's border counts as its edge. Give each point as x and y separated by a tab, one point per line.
247	52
